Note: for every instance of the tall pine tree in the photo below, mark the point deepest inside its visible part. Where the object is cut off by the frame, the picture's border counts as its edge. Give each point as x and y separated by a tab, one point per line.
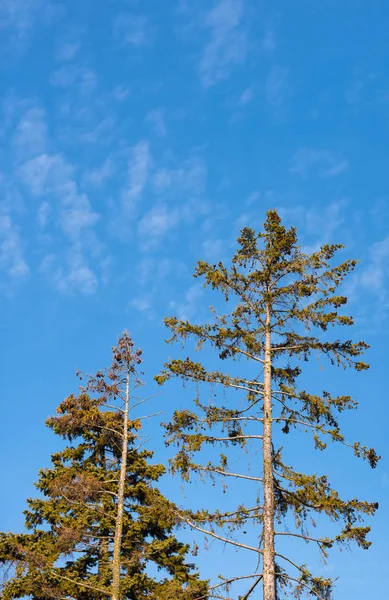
100	528
276	296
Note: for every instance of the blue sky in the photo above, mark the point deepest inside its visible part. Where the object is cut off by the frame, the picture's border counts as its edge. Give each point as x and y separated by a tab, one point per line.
138	137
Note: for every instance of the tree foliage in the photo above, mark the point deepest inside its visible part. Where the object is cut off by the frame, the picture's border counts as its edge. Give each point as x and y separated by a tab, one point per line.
67	550
281	304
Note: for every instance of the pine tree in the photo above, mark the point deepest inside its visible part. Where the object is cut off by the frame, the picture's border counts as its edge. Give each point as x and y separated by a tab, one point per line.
100	523
276	297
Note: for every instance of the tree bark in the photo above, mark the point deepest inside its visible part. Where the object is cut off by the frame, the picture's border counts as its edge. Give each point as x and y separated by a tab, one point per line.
269	585
116	562
104	558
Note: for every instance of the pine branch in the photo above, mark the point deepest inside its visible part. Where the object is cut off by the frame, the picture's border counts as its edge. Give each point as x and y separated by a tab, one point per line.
227	474
305	585
81	584
218	537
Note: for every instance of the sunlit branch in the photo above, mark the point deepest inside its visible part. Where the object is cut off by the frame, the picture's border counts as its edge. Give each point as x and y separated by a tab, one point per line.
218	537
227	474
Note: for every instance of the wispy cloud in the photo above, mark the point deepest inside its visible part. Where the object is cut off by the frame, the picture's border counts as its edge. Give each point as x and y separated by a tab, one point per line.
67	49
141	303
188	306
189	177
279	90
101	133
319	162
12	260
45	174
156	119
213	249
155	225
362	91
137	176
120	93
72	76
18	19
52	179
162	219
131	30
155	275
317	223
43	214
74	275
375	275
246	96
371	282
52	175
31	135
227	43
269	42
98	177
156	269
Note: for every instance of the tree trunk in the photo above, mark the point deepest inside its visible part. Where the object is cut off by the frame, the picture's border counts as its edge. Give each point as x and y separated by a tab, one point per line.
269	586
116	563
104	564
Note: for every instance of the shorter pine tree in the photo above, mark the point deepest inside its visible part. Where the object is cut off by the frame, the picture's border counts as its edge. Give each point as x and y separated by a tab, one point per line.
100	524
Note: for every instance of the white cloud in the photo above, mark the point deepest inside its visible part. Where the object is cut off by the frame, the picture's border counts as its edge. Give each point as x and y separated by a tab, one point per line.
375	276
213	250
53	175
52	178
101	133
320	162
154	270
76	276
79	277
45	173
81	78
246	96
31	136
144	305
317	223
120	93
361	91
227	45
155	225
188	307
11	250
137	176
269	42
98	177
189	177
371	279
253	197
18	19
131	30
18	14
162	219
141	303
278	88
76	214
67	49
157	120
44	211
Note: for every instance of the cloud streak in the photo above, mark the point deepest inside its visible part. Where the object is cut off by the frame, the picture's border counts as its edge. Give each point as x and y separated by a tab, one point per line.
320	162
12	261
131	30
137	176
227	42
278	89
50	178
